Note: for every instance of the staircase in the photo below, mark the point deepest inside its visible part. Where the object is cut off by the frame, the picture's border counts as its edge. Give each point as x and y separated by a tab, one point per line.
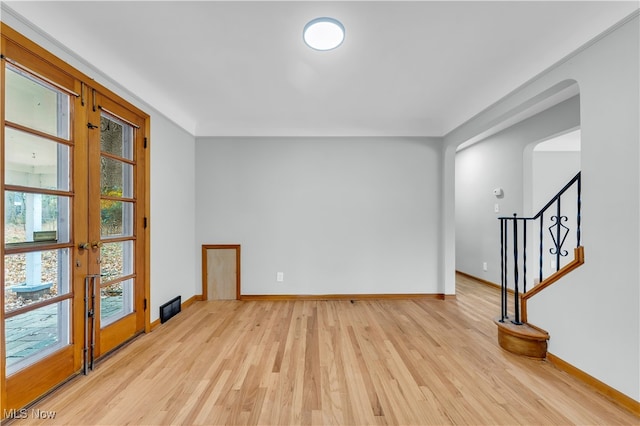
545	234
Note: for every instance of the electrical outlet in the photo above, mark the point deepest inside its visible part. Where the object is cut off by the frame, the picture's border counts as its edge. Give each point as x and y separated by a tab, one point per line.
280	277
484	266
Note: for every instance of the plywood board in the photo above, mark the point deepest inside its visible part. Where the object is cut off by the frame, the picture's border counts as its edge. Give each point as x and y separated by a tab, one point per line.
221	274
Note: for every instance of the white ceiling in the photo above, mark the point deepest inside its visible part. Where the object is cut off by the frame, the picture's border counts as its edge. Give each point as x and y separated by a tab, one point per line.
239	68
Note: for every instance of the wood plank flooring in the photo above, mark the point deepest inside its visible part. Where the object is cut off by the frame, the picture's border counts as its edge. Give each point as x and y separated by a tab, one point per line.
402	362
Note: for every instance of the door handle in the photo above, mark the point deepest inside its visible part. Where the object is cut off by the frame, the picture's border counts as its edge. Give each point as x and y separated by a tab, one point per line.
96	244
83	246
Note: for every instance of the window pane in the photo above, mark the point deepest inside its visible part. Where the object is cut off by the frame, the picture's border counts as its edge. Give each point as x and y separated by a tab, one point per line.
116	301
116	137
34	277
35	162
116	178
36	104
116	260
35	218
116	218
35	334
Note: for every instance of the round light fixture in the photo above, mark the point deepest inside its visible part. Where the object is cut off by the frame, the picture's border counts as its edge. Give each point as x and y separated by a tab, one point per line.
323	33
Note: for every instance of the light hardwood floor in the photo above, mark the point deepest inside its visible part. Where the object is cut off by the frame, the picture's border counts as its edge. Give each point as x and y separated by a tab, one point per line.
421	361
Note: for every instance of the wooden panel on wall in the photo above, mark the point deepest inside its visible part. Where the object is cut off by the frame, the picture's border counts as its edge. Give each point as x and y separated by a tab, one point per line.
221	272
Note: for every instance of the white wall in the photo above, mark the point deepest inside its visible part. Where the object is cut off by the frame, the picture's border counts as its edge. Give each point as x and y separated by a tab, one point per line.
498	162
551	171
593	315
336	215
173	247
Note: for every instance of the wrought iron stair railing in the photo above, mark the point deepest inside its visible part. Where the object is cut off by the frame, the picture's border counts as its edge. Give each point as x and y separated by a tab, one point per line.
548	233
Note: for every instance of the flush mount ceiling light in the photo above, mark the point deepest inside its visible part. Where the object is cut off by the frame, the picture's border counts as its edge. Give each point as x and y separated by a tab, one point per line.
323	33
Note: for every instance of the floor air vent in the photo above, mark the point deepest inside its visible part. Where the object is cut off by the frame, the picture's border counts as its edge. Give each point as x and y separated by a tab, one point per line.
169	309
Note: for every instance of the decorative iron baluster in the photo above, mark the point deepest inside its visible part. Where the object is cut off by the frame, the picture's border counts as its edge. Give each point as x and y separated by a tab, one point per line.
516	293
559	222
559	237
524	256
541	245
579	176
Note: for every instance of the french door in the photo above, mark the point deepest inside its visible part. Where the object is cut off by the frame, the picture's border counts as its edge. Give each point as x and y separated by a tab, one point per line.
113	285
74	203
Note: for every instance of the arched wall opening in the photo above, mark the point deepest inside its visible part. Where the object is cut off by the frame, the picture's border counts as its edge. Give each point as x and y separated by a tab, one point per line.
503	174
603	293
549	164
553	163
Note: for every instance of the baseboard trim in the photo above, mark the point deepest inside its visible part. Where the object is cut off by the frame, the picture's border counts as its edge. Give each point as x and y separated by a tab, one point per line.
190	301
272	297
615	395
481	281
154	324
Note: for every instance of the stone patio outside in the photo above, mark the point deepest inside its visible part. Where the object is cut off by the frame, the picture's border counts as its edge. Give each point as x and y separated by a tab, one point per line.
29	333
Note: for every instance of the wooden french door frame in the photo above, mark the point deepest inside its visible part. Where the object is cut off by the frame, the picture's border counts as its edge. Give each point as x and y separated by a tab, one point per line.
28	383
111	335
24	386
205	266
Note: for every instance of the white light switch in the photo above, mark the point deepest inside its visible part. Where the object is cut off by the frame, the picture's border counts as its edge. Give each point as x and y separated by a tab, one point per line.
280	277
496	208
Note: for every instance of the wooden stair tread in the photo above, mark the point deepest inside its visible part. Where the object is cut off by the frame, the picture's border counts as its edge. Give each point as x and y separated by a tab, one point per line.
523	339
525	331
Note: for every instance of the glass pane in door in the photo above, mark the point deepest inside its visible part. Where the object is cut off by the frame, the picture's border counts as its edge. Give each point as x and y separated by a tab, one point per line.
37	333
35	161
34	277
116	179
116	301
35	218
117	208
35	104
116	137
117	218
116	260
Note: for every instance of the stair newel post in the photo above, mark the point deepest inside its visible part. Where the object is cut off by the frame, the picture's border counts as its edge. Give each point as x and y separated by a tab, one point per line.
506	263
516	292
503	301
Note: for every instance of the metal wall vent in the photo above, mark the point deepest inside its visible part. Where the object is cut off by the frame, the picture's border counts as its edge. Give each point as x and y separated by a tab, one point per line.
169	309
